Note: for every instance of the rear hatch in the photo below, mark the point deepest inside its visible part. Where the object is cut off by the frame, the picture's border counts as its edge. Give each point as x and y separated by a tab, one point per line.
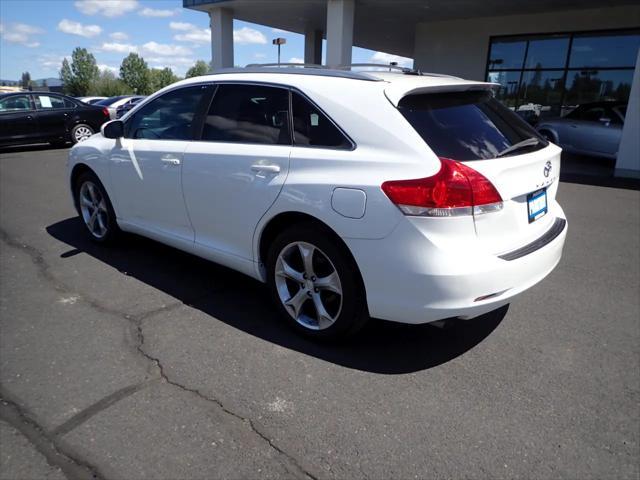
472	127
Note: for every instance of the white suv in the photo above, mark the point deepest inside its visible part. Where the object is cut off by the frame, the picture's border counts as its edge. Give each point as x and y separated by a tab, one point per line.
402	196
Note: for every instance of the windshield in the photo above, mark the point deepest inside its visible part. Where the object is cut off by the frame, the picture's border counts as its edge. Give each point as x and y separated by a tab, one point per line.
468	125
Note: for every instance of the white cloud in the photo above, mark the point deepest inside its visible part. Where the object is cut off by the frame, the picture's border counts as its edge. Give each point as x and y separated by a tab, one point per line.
152	12
119	36
161	62
296	60
387	58
76	28
109	68
52	62
21	33
194	34
181	26
108	8
247	35
165	50
118	47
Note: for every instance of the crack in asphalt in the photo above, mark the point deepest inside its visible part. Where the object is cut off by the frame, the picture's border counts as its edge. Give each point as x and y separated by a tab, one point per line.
56	454
290	463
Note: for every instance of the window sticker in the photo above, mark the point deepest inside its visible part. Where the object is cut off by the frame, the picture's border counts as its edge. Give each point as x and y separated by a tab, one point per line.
45	102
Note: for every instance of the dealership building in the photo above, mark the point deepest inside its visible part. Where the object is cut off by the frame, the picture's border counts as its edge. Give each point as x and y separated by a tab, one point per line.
548	55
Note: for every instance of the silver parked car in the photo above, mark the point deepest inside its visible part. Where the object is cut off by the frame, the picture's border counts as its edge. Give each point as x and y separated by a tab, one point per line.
591	129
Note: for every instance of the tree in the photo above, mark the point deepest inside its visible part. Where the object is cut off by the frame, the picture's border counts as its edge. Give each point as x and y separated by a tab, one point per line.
161	78
26	80
107	85
135	73
79	76
67	77
200	68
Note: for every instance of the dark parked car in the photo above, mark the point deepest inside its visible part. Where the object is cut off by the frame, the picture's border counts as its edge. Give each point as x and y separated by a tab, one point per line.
33	117
113	103
122	109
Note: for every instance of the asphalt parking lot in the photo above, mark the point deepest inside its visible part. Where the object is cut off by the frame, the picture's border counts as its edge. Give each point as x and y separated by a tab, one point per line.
142	362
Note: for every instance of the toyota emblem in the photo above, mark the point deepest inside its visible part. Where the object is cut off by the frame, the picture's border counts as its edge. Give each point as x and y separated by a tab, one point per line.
547	169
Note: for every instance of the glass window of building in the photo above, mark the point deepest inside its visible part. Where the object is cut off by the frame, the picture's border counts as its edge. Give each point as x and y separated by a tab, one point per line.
550	75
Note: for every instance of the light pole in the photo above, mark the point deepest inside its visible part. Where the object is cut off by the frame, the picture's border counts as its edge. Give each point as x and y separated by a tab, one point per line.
279	41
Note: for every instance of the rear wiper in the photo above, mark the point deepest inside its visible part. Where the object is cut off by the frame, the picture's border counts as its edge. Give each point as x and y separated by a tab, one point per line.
527	142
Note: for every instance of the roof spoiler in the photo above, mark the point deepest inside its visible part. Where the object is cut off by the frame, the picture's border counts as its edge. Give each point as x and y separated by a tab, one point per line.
395	92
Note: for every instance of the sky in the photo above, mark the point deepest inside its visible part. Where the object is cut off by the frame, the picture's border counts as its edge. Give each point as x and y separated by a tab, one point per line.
36	35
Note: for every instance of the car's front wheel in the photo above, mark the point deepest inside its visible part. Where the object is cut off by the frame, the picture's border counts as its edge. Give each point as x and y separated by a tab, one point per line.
95	209
315	283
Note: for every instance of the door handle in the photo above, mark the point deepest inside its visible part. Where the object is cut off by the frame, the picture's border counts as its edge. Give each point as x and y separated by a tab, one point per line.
265	168
170	160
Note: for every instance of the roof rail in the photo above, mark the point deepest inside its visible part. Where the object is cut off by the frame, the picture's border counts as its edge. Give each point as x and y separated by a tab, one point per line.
306	65
381	65
405	70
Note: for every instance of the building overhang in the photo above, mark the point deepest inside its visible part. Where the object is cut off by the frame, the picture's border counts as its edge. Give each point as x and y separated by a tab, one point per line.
386	25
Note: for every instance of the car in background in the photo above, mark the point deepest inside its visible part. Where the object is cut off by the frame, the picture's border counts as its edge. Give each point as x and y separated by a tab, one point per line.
122	109
590	129
112	103
90	100
34	117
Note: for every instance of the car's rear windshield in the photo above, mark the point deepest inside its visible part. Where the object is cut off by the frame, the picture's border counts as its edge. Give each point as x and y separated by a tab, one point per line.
470	125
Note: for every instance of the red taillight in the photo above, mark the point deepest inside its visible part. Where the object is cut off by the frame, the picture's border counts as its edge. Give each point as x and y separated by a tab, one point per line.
455	190
105	112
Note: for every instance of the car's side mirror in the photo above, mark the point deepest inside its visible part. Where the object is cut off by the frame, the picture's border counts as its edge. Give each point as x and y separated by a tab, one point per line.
113	129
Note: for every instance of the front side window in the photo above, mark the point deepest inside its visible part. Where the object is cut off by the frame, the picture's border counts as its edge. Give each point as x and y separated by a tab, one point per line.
15	103
248	114
465	125
312	128
48	102
169	117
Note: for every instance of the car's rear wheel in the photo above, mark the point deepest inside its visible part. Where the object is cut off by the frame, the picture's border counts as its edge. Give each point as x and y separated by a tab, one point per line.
315	283
81	132
95	209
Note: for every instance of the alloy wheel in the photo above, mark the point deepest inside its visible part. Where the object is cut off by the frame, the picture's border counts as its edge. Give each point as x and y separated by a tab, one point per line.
82	133
308	285
94	209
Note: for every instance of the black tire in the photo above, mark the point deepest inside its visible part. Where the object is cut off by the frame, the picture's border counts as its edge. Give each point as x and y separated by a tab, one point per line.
107	216
352	314
76	131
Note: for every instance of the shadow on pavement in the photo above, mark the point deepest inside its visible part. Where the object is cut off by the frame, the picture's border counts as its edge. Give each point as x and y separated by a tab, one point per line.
242	302
599	172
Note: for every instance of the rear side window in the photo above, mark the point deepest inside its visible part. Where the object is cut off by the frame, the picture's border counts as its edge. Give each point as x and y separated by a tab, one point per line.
248	114
47	102
168	117
466	125
312	128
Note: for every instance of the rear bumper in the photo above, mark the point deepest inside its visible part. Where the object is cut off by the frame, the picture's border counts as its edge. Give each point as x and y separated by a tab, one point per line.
410	279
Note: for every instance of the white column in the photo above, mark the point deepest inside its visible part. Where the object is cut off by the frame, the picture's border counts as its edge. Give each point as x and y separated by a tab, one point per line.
221	21
628	161
313	46
339	31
